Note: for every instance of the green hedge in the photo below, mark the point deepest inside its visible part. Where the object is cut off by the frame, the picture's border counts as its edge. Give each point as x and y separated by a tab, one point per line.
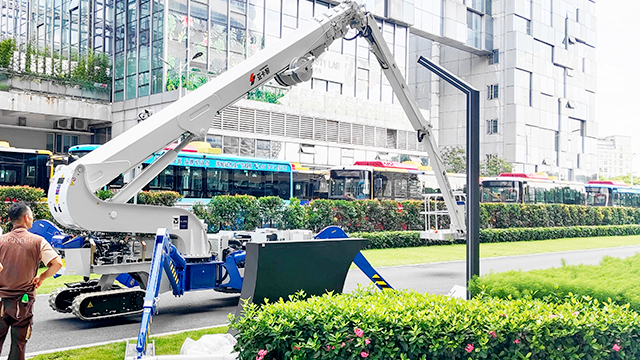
388	215
408	325
614	278
34	197
401	239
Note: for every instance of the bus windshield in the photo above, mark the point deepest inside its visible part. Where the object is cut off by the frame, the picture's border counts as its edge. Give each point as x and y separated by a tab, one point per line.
597	196
499	191
350	184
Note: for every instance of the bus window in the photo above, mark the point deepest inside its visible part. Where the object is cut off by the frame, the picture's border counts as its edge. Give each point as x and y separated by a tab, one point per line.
539	195
400	189
164	180
277	184
8	177
217	182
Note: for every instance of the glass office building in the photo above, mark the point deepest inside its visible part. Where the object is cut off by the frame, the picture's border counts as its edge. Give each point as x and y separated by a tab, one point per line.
154	40
65	28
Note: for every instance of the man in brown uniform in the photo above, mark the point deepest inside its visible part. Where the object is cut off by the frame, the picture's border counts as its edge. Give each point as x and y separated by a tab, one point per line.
20	255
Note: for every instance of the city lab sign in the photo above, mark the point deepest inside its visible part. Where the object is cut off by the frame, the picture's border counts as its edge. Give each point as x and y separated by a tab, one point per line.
330	66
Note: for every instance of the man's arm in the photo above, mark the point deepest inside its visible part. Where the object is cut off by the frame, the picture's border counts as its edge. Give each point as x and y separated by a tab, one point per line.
53	267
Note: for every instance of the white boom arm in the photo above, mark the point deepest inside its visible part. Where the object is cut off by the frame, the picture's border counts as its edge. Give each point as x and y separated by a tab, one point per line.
71	194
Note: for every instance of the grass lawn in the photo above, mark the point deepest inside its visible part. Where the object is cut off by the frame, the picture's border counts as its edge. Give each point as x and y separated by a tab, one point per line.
431	254
51	284
171	344
165	345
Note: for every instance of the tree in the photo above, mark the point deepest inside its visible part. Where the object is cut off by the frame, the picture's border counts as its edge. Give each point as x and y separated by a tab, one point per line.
454	159
624	178
495	166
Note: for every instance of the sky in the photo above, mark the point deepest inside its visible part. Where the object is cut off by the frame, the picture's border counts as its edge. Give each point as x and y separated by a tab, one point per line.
618	69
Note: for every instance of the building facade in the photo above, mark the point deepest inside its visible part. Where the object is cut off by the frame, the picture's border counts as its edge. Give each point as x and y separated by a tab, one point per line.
532	60
615	156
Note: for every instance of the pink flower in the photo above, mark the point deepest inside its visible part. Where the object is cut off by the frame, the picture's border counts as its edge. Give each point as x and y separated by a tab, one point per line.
328	348
358	332
576	313
296	347
364	354
516	341
261	354
503	315
616	347
343	344
551	316
493	334
367	341
469	348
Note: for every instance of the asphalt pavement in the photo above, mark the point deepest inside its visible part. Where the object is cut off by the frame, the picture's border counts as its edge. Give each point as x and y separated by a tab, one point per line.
54	331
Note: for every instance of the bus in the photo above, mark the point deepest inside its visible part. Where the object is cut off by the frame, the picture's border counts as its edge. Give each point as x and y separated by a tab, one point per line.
200	172
28	167
612	193
388	180
524	188
198	177
309	184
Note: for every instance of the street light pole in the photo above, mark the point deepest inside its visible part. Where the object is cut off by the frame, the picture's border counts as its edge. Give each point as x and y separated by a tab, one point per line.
183	67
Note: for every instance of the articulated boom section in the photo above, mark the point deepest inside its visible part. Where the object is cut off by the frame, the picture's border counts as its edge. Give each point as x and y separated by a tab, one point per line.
71	198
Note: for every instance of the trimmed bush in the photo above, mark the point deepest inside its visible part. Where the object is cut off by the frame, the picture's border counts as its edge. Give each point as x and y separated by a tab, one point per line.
238	212
160	198
401	239
34	197
614	278
408	325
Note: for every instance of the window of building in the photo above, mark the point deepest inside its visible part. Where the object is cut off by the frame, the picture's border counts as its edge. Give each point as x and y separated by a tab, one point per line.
474	29
392	139
307	149
215	141
492	126
247	147
362	83
492	92
494	58
101	135
60	143
230	145
488	33
478	5
263	148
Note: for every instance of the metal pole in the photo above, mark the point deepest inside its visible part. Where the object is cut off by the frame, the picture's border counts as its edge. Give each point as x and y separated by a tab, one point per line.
180	86
473	164
473	186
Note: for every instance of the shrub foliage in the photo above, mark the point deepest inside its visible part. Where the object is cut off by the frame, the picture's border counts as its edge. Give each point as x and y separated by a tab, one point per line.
614	279
407	325
34	197
401	239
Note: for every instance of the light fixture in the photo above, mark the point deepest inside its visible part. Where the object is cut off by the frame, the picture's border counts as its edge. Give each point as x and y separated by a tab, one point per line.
197	55
144	115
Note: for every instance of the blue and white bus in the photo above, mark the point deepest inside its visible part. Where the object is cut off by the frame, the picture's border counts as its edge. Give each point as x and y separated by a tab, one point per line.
198	175
612	193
